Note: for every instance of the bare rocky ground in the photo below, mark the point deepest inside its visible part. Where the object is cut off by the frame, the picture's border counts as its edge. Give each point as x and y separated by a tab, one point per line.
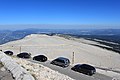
4	74
38	71
41	72
56	46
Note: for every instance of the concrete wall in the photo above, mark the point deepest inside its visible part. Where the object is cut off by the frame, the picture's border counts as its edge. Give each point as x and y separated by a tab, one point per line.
19	73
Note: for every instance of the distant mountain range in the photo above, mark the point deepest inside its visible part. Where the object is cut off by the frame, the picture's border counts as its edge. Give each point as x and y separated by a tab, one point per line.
6	35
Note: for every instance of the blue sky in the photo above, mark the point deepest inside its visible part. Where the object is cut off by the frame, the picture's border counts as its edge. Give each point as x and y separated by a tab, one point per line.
61	12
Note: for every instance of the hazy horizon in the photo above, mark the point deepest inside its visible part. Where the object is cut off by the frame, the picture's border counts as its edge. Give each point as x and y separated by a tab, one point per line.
55	26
